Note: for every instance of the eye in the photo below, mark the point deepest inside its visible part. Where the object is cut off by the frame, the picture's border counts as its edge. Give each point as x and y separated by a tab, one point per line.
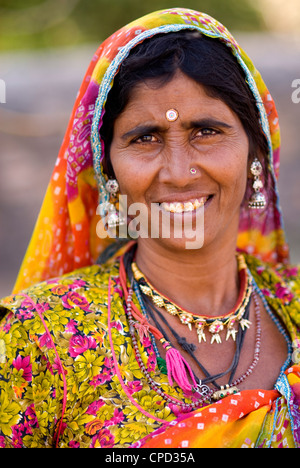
207	132
145	139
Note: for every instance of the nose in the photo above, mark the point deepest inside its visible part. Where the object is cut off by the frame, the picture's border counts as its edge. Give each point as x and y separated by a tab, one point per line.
178	168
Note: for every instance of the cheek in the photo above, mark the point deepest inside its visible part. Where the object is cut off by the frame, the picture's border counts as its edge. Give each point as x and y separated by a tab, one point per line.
231	169
132	178
239	187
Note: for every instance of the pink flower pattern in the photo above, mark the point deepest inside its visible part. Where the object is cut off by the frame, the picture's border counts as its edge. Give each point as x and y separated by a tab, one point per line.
73	299
80	343
23	364
78	332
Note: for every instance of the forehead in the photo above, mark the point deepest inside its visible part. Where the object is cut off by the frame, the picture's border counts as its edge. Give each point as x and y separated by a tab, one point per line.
174	89
151	100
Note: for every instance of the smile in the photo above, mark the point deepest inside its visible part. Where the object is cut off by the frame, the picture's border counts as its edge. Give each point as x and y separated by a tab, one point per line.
181	207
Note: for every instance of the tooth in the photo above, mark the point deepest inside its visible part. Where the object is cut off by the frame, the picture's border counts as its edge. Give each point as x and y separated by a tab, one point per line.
165	206
189	206
202	201
175	207
179	207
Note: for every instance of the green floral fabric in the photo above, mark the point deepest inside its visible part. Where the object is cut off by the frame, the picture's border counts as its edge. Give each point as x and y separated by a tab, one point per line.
68	372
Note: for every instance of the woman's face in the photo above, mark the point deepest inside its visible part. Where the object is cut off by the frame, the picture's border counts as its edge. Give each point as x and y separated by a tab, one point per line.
152	158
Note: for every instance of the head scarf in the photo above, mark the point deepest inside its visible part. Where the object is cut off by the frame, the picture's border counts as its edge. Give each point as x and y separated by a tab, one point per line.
68	231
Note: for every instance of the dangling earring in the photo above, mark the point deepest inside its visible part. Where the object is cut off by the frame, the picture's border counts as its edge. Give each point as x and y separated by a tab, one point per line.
114	218
257	200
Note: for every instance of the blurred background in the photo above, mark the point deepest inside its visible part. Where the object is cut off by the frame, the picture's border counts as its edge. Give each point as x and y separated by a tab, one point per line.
45	48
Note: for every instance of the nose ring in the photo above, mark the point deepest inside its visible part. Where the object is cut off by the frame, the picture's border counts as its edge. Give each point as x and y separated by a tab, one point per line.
193	171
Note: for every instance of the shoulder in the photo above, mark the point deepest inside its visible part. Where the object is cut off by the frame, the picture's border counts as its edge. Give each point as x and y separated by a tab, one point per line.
274	275
63	319
58	302
280	285
71	285
51	340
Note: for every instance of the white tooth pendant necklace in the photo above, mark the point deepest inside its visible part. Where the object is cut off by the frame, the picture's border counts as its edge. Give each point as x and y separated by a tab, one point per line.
203	324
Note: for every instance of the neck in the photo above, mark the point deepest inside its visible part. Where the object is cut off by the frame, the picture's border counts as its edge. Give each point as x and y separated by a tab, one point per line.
201	281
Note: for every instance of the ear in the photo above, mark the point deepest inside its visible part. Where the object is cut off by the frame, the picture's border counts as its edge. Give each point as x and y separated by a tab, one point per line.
107	167
251	158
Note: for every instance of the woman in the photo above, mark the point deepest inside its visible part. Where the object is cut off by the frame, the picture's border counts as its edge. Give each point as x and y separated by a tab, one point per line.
174	340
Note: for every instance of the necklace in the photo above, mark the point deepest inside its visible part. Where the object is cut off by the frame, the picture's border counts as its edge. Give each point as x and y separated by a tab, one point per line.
214	325
203	398
178	369
204	393
231	387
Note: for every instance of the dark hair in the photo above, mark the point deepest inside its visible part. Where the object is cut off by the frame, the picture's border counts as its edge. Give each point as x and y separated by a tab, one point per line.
206	60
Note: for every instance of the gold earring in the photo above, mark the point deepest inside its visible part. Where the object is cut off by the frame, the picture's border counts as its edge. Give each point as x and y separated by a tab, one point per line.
258	199
114	218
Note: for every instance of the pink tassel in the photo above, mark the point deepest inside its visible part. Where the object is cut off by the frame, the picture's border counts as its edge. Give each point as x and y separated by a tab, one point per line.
143	331
177	368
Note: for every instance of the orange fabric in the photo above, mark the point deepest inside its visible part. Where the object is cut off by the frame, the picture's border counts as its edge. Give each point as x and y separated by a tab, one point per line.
232	422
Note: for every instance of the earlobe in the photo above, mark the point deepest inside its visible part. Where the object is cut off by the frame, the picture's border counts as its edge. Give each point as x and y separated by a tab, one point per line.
108	168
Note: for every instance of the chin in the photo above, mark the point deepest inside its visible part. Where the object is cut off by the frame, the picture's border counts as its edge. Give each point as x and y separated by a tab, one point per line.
177	245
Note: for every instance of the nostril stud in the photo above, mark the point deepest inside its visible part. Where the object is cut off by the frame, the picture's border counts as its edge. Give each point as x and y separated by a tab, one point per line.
193	170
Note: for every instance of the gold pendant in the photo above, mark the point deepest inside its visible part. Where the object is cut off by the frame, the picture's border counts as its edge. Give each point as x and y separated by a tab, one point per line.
216	327
231	333
244	323
186	319
201	335
146	290
158	301
200	324
171	309
215	338
225	391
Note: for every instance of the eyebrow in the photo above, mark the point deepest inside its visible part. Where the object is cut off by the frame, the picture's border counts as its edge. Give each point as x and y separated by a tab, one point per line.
207	122
201	123
142	130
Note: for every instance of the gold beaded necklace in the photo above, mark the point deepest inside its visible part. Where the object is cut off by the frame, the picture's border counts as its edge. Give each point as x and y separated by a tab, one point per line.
202	323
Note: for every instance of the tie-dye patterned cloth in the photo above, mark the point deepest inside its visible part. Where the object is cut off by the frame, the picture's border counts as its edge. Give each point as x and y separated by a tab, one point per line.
249	419
68	230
